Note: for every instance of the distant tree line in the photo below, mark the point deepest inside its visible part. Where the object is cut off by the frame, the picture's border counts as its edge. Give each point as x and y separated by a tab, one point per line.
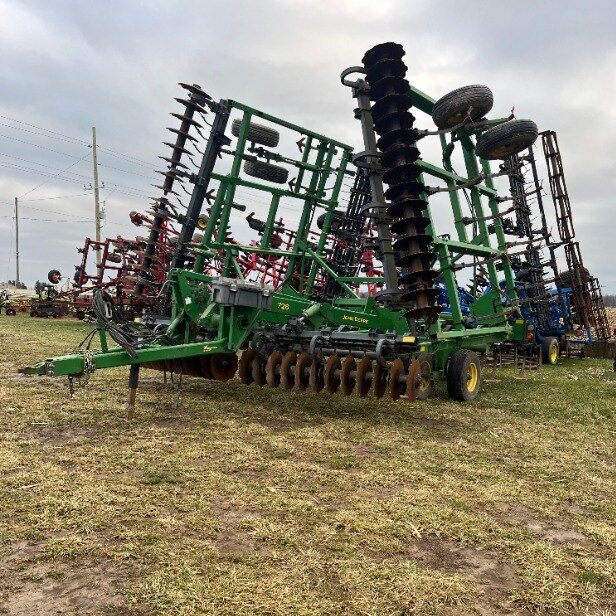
12	283
610	300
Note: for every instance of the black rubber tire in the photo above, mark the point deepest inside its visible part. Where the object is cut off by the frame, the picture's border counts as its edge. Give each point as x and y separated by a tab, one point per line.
337	219
80	315
547	345
506	139
54	276
457	375
257	133
266	171
451	109
566	278
10	312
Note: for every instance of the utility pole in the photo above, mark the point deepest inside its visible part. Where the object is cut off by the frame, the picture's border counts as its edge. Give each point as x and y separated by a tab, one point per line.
16	242
97	210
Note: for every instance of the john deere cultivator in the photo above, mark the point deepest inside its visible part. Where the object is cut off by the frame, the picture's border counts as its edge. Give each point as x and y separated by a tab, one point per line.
341	281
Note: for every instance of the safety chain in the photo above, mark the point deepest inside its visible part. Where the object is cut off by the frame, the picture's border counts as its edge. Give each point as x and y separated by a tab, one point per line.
82	379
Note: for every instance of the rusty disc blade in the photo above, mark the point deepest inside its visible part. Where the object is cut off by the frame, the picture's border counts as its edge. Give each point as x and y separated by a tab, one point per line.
245	367
272	370
258	371
331	374
189	368
205	367
287	370
152	365
316	376
302	371
396	381
347	375
364	376
413	379
379	380
224	366
423	389
174	366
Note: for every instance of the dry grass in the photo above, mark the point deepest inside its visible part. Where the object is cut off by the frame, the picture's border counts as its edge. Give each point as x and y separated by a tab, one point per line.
253	501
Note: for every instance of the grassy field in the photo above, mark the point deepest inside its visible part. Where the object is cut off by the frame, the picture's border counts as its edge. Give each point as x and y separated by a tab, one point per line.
256	501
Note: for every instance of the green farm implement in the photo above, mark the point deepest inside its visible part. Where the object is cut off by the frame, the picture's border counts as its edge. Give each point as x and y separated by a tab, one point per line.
336	284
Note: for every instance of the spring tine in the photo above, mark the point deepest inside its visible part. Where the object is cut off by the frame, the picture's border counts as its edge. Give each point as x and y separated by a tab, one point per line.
173	162
195	89
200	133
174	146
183	133
166	190
171	174
185	118
202	114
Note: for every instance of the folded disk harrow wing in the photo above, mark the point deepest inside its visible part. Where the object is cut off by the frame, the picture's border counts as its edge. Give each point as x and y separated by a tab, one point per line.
337	279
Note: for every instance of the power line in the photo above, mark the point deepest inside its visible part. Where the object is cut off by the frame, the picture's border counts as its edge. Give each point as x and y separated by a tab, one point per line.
33	162
141	175
57	174
25	130
63	137
47	130
133	159
38	209
37	171
36	145
56	197
45	219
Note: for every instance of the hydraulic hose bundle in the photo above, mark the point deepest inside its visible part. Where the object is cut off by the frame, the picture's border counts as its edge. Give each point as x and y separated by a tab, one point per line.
127	334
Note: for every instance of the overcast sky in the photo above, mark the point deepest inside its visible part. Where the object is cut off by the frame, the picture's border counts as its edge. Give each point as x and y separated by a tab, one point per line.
70	65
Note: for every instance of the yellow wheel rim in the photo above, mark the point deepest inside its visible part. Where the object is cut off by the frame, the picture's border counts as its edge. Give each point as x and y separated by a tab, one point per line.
472	377
553	353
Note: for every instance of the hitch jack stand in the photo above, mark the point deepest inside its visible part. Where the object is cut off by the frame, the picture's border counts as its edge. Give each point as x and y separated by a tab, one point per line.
133	381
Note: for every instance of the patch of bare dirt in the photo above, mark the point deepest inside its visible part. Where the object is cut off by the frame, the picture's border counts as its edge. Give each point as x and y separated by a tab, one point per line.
32	585
280	425
232	539
554	531
31	381
61	590
60	435
494	578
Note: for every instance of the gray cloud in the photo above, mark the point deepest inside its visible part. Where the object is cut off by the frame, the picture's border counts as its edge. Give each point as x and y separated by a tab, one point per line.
69	65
